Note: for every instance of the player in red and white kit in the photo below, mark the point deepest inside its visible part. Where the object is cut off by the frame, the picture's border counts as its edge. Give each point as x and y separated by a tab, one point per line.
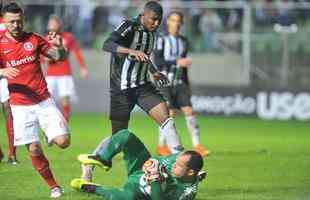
59	76
31	105
4	100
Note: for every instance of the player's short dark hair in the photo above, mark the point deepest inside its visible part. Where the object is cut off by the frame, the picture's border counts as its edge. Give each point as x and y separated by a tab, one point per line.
12	8
195	161
177	13
154	6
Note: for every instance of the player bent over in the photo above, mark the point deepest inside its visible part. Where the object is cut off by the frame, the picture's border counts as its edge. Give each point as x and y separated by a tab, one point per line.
131	45
173	177
30	100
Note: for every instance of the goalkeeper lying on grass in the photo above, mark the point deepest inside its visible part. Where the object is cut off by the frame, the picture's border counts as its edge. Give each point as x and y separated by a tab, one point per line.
174	177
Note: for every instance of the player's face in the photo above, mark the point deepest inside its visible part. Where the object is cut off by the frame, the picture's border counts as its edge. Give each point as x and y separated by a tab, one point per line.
174	23
53	25
151	20
180	168
14	23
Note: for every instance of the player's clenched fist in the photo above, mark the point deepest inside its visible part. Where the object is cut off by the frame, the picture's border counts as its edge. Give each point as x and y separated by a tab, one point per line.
54	39
153	170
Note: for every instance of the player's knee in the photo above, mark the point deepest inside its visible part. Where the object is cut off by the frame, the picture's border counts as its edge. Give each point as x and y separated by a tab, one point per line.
188	111
62	141
34	149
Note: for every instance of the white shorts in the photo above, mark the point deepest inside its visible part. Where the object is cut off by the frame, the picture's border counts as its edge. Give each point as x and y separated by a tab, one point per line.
28	119
4	91
61	86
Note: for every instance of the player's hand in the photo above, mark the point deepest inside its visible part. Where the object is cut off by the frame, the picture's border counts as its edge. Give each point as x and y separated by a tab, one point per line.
138	55
55	39
9	72
84	73
153	170
184	62
160	79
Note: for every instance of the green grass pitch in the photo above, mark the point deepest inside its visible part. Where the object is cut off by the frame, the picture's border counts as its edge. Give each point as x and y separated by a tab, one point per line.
251	159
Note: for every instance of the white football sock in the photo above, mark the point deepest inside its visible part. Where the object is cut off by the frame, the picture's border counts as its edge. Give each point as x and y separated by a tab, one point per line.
193	129
161	138
171	136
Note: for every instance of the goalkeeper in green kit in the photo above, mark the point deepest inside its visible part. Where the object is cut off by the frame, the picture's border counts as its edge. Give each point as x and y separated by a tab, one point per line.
175	177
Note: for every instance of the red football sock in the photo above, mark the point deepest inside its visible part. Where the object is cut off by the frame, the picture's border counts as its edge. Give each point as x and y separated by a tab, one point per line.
10	135
40	163
66	111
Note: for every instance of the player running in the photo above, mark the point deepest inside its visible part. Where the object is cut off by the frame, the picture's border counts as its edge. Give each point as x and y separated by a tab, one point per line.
171	57
30	100
173	177
59	76
131	45
4	99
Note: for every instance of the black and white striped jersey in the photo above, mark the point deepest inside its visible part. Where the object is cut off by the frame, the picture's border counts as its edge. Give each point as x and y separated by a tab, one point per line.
126	73
168	49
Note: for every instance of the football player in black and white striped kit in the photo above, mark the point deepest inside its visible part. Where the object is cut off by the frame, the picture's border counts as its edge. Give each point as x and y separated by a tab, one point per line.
131	45
171	57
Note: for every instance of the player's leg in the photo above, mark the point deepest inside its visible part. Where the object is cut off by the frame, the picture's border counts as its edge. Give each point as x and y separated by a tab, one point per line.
107	193
4	98
66	90
134	151
151	101
1	155
121	104
41	164
53	124
194	130
162	148
10	132
184	101
26	128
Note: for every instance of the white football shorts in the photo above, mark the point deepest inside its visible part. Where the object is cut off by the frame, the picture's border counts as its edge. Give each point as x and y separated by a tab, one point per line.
61	86
29	118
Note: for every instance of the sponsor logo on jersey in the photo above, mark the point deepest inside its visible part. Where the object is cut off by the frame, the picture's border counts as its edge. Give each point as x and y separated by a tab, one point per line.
14	63
28	46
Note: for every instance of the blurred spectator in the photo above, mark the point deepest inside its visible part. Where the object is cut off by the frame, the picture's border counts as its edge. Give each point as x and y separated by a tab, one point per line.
83	26
210	24
284	17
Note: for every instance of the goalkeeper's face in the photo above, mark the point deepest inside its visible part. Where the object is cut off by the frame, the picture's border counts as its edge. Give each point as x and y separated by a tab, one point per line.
180	168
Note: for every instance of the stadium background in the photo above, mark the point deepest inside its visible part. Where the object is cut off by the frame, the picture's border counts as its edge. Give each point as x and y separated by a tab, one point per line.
243	67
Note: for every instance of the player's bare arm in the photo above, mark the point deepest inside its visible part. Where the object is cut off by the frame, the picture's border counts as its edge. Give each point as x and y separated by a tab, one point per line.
134	54
9	72
57	52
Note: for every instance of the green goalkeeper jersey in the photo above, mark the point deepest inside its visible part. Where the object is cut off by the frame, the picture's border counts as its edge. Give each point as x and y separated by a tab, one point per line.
170	187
